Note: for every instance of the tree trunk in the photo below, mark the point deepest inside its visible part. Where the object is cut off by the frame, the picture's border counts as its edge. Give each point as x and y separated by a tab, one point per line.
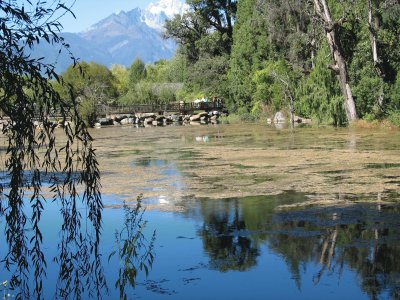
374	47
228	16
372	33
340	67
288	94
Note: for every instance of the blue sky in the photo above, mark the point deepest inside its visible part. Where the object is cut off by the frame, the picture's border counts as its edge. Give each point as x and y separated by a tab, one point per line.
88	12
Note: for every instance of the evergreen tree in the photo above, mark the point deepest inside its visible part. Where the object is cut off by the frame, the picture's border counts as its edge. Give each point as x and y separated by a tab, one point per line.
250	49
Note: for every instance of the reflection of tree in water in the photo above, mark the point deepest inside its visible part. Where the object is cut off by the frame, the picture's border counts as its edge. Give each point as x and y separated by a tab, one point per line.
135	252
296	249
80	276
369	247
362	238
225	239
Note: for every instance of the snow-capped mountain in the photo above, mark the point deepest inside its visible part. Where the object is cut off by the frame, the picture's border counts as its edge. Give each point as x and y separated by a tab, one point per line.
121	37
156	13
169	7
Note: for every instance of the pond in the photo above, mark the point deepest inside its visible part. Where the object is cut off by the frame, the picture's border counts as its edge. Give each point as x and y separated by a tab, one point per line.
248	211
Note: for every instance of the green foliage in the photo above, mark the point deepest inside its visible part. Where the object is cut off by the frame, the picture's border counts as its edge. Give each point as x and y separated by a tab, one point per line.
367	85
318	94
255	53
188	95
205	36
369	117
249	36
166	94
218	14
395	94
186	30
121	79
157	83
88	111
143	93
213	44
90	84
287	24
267	30
248	116
177	69
206	29
151	93
250	49
271	84
137	72
157	72
164	71
89	81
394	117
388	38
208	75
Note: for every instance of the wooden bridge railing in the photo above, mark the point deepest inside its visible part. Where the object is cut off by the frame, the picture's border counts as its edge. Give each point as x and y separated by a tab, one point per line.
182	108
153	108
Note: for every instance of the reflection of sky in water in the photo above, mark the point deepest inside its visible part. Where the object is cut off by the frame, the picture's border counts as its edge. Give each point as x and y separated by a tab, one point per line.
204	139
46	178
245	249
163	172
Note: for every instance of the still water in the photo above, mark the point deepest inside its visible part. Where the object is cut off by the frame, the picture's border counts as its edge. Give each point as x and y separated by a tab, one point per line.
252	212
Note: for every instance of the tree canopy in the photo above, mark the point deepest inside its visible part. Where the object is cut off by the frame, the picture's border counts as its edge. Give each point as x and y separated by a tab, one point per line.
343	54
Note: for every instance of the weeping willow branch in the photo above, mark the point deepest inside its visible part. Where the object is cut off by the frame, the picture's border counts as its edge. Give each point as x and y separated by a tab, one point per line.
36	154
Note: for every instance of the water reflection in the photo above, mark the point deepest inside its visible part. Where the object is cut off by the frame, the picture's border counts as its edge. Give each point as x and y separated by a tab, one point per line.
134	250
364	238
248	240
204	139
225	239
70	270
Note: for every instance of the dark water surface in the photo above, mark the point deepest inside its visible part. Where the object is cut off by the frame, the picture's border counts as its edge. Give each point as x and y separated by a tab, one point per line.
277	246
244	248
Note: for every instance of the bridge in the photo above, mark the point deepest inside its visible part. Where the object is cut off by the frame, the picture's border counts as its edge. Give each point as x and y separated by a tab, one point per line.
181	108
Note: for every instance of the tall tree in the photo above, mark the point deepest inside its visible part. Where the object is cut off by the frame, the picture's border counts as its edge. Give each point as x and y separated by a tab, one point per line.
218	14
204	35
287	23
205	18
382	21
331	29
249	50
186	30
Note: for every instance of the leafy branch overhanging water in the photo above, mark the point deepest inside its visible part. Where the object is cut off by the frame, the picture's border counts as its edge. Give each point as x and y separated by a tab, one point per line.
26	94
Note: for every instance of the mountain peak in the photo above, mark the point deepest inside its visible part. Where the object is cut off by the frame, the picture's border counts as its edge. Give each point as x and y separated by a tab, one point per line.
121	37
122	19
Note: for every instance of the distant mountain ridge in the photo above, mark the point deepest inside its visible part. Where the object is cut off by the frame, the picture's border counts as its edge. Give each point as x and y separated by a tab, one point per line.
120	38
